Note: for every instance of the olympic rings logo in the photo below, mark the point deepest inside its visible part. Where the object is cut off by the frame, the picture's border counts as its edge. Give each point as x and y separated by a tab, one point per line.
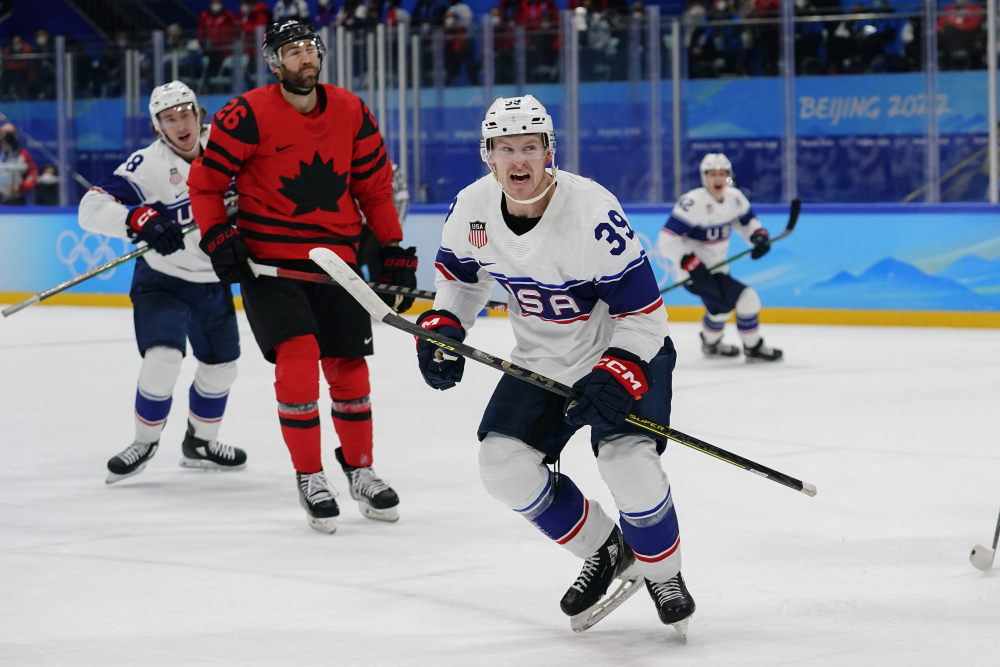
83	253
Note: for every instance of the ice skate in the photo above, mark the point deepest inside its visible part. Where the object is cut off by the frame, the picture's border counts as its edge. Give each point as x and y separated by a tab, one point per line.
585	602
761	352
131	461
210	454
718	348
376	499
673	603
317	498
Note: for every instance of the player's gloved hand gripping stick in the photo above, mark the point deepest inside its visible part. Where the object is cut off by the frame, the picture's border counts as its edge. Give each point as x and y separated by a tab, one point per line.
758	250
344	275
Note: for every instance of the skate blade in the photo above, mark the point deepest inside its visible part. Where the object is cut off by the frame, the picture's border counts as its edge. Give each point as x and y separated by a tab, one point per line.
327	525
204	464
629	582
682	628
389	514
113	477
982	558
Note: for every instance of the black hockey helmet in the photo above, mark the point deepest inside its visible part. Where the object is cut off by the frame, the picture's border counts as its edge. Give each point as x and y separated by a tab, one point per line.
285	32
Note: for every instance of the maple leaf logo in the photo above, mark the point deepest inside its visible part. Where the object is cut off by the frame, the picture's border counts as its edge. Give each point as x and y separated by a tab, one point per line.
317	186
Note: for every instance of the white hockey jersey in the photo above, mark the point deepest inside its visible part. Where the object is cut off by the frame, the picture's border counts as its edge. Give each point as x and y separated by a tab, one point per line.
702	225
150	175
578	282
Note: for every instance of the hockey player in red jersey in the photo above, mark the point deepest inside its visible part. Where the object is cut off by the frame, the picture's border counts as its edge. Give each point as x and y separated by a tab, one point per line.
305	157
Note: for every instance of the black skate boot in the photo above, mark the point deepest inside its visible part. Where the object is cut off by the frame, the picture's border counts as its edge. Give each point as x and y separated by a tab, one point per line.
317	498
673	603
585	602
761	352
130	461
210	454
718	348
376	499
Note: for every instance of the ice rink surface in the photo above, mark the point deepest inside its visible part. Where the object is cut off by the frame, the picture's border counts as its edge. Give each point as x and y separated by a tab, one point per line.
898	429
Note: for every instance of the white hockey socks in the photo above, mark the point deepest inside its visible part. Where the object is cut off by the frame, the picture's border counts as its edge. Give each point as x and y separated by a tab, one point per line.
712	327
154	394
207	397
747	316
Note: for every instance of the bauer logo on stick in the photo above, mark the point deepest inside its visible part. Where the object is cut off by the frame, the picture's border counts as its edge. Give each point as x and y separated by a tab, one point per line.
477	234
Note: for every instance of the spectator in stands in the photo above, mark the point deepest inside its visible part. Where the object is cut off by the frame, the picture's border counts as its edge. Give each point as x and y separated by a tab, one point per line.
291	9
960	38
44	84
463	13
718	50
692	16
395	14
503	47
217	28
253	13
764	39
47	189
18	173
878	39
458	50
541	21
428	14
16	69
109	75
188	55
353	15
326	13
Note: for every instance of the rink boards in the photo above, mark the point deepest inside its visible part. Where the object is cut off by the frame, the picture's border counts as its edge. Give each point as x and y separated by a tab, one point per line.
911	265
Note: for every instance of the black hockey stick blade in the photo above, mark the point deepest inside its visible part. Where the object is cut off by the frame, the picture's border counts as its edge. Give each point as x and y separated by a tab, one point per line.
343	274
793	218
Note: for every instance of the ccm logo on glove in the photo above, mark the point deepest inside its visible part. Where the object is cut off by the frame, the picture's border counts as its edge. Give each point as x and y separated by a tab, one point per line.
628	374
140	216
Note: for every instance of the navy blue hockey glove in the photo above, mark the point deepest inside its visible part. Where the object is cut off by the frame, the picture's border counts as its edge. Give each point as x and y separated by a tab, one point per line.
145	223
608	392
761	243
441	369
229	253
701	277
398	266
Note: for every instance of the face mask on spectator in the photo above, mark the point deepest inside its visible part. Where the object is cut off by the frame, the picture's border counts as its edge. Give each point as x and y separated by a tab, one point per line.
494	19
720	6
449	21
801	4
217	7
41	40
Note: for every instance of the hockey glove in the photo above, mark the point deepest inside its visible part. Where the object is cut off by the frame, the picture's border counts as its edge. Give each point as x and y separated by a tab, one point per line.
398	266
144	223
608	391
700	275
441	370
761	243
229	253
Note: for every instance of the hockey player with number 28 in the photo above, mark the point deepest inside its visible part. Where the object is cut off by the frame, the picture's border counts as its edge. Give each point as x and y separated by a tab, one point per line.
696	236
176	295
585	309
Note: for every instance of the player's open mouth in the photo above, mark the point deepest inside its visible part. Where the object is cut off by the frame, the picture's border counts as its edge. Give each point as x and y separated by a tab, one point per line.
520	179
184	137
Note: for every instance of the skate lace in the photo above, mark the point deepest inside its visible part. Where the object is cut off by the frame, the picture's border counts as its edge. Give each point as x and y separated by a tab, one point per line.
366	483
667	591
587	573
317	488
134	452
222	450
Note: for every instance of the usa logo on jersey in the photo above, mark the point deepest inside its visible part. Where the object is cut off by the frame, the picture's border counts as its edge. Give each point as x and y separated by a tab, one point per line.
477	234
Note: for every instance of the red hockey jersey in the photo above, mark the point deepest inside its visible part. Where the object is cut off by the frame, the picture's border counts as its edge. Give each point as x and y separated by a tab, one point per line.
298	175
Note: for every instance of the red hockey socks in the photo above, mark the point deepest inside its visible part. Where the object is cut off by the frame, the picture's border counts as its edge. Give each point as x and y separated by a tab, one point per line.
352	409
296	385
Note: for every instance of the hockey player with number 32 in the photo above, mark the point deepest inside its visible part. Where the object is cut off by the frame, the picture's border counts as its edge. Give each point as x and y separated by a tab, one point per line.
696	236
176	296
585	309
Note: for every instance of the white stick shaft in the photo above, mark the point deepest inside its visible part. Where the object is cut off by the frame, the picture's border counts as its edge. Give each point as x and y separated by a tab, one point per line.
349	280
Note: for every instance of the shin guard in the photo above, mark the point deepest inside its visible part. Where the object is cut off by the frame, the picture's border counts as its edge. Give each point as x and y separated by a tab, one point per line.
296	386
352	409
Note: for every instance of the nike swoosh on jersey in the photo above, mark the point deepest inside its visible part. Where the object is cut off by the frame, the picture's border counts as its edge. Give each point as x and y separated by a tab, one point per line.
278	149
368	340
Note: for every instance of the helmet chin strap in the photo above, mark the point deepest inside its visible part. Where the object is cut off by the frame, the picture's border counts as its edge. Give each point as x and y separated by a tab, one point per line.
193	153
555	175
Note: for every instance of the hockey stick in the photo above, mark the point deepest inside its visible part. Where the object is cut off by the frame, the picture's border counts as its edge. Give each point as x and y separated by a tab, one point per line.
793	217
344	275
41	296
981	557
276	272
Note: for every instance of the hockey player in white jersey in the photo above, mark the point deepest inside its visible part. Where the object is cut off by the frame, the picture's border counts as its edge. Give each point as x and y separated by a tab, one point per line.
696	236
175	293
585	309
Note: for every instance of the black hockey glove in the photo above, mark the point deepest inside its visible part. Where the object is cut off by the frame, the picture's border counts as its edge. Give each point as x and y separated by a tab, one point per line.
761	243
398	266
145	223
441	370
700	275
229	253
609	390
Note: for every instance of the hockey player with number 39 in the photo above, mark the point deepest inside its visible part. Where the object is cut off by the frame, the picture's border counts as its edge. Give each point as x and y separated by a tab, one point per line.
585	309
176	296
696	236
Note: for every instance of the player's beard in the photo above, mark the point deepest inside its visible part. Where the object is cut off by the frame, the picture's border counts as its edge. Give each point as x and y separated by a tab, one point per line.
300	82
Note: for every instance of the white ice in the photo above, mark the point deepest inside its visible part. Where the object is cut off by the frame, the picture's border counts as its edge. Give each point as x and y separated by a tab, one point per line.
896	427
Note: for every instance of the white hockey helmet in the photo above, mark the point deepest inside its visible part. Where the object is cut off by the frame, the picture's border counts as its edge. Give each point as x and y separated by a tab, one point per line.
168	96
516	115
715	161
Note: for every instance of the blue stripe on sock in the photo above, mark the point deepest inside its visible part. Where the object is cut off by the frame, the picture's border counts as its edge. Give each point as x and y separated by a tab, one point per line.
712	325
652	539
563	513
150	409
747	323
206	408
